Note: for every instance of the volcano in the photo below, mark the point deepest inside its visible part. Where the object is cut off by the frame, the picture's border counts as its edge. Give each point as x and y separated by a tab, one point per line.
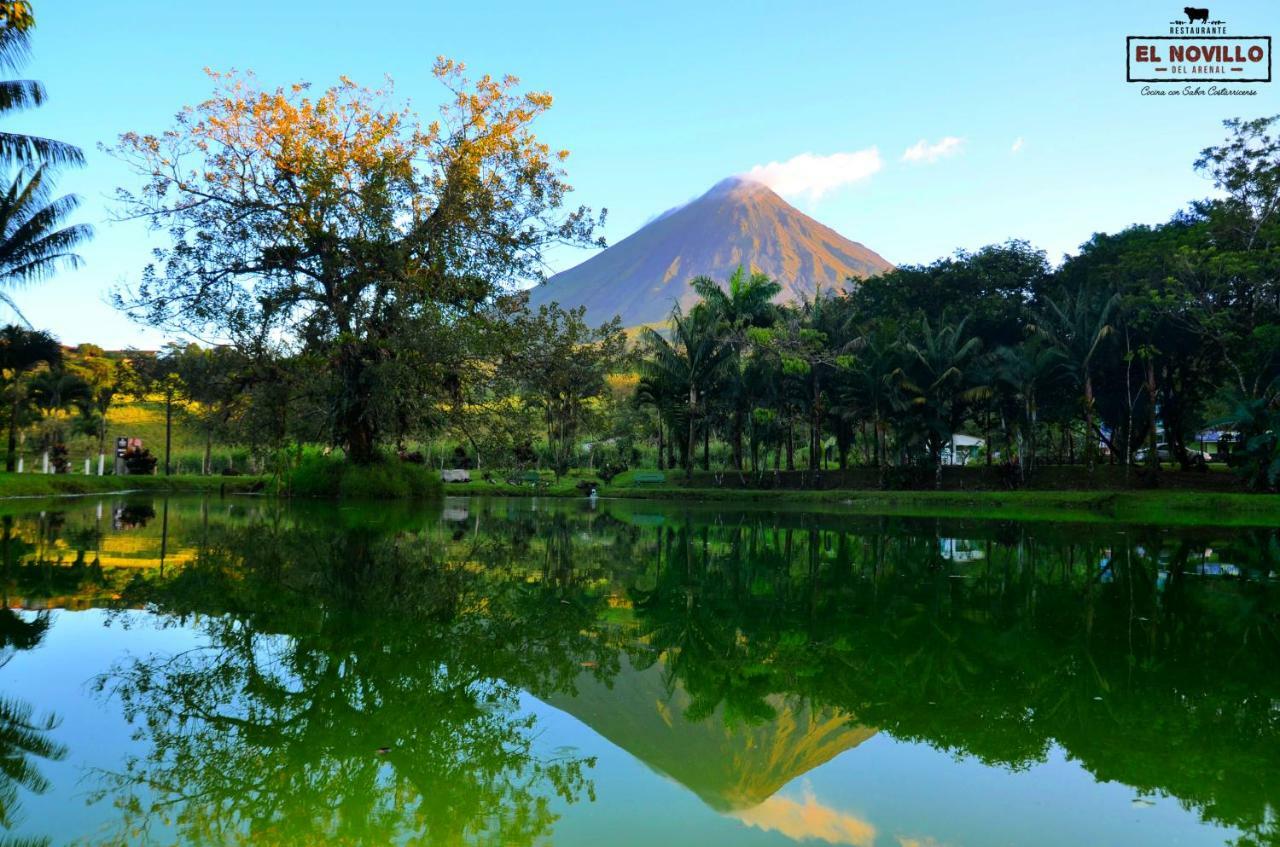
738	222
732	766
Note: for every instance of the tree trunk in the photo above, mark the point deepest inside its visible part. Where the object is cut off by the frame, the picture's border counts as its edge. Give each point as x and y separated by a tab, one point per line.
208	453
1152	432
11	458
936	449
1031	441
168	429
354	425
881	450
1091	441
660	445
688	459
986	423
737	439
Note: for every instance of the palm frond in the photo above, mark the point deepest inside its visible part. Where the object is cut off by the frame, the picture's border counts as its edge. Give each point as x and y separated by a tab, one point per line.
19	94
8	301
31	150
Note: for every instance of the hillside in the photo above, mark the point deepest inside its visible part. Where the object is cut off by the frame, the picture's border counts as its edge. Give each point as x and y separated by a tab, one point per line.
737	222
731	766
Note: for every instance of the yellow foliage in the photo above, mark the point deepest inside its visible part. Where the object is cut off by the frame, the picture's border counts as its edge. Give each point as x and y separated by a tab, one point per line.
134	414
17	15
317	154
623	384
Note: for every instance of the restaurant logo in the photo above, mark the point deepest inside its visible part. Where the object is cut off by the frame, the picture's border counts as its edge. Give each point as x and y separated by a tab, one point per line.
1198	48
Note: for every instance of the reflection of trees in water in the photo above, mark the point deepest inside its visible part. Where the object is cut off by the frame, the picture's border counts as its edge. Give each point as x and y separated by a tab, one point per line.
354	688
32	565
1142	670
24	737
328	641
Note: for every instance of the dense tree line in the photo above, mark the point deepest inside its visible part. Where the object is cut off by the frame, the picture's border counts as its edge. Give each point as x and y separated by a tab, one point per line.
353	272
1121	354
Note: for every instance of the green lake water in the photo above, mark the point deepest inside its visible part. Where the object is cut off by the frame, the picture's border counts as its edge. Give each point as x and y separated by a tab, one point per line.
511	672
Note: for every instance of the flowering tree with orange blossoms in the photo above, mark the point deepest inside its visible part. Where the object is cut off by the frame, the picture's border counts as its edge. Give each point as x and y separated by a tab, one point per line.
344	228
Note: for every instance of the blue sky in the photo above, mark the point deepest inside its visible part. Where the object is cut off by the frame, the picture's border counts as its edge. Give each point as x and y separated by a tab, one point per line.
659	100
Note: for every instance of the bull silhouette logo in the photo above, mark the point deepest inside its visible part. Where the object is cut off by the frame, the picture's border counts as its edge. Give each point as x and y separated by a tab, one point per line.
1194	14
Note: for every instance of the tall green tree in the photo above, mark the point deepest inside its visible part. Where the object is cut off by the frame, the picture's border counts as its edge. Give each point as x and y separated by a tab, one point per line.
339	228
745	303
213	381
870	389
1078	326
694	357
562	365
57	393
1028	371
661	391
937	383
21	352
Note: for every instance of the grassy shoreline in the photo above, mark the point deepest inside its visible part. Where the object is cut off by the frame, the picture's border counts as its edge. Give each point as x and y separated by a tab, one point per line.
1181	508
15	485
1146	506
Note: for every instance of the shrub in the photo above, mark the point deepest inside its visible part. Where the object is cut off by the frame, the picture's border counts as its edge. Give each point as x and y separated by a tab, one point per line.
1257	459
139	461
318	475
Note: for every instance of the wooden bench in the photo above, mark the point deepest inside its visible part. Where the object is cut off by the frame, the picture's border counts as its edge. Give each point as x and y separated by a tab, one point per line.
649	478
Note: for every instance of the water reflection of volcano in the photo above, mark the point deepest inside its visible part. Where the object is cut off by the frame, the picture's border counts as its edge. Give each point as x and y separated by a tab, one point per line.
731	767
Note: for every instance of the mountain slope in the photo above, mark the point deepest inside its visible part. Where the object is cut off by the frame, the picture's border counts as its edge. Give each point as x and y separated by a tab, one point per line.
730	766
737	222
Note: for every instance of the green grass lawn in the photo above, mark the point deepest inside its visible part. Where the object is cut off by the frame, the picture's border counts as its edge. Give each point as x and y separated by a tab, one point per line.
46	485
141	419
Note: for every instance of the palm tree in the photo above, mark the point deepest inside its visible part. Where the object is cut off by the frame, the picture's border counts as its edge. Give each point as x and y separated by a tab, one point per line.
657	390
16	24
937	383
871	389
53	392
33	241
693	358
1078	327
746	303
21	351
1257	420
1027	370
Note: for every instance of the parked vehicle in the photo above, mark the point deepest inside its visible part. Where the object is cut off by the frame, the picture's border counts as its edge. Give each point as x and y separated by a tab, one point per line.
1164	454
